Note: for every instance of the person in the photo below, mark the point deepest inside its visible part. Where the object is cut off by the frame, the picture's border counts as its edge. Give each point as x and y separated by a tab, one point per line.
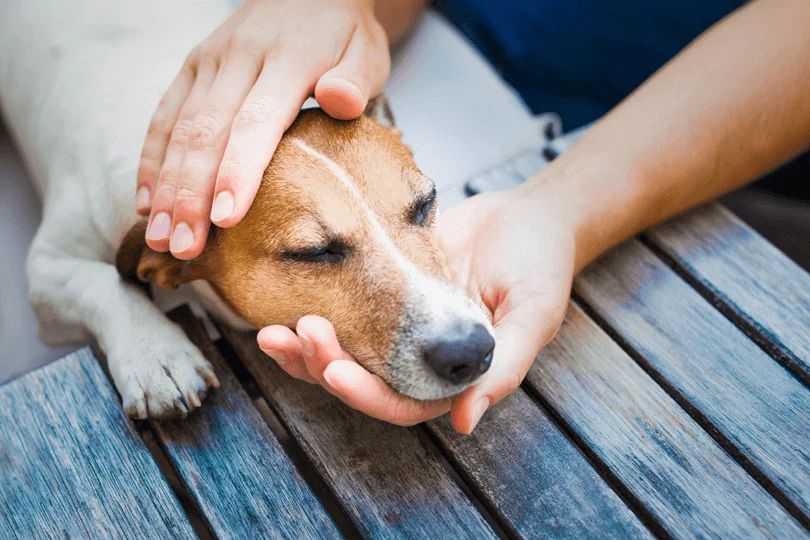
728	108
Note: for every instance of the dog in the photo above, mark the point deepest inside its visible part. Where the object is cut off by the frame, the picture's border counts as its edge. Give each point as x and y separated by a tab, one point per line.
341	225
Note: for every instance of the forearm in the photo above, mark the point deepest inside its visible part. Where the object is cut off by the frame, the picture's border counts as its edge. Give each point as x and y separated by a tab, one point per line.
729	108
397	16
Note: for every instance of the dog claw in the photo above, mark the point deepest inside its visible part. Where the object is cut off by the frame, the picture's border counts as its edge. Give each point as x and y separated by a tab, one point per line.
192	399
210	377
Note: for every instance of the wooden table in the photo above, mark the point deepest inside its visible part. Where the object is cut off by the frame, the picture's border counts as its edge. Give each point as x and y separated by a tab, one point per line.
674	402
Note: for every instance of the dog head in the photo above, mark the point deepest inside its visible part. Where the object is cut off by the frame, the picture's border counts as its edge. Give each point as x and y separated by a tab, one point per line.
341	227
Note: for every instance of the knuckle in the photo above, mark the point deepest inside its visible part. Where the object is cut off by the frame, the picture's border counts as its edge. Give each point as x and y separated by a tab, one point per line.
206	130
180	132
255	111
147	171
166	180
187	193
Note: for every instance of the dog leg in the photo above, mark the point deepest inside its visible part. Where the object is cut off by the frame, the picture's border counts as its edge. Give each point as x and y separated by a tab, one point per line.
157	370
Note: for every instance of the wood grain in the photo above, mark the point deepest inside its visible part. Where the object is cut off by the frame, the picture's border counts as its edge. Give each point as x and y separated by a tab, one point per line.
664	458
753	283
232	464
389	484
71	464
698	354
533	478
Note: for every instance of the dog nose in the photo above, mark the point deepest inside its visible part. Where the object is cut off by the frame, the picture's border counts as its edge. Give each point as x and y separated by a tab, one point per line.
462	355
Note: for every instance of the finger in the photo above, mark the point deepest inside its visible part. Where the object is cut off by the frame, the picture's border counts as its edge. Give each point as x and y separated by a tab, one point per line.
157	137
360	74
371	395
283	346
206	144
519	336
319	345
160	221
268	110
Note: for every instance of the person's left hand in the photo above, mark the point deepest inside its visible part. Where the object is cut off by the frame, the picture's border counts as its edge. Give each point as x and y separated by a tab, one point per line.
514	256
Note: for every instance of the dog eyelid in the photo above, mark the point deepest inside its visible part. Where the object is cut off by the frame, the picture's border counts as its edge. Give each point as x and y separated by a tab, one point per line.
421	208
330	253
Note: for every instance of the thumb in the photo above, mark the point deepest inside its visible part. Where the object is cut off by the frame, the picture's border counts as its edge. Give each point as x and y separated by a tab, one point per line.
519	336
360	74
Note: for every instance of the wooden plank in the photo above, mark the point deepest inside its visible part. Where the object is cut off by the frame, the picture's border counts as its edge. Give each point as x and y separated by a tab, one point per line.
71	464
533	478
757	286
388	483
232	464
663	458
755	404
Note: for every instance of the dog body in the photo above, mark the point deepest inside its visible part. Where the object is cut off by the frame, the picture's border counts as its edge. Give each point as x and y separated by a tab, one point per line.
340	227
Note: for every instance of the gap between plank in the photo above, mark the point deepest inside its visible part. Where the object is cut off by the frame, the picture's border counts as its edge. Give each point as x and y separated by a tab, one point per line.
702	420
303	465
462	480
759	335
193	512
614	483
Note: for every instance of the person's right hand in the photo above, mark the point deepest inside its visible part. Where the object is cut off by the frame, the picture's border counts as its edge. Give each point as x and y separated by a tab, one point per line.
218	124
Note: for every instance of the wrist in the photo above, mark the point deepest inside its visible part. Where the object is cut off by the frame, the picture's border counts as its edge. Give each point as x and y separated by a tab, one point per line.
593	194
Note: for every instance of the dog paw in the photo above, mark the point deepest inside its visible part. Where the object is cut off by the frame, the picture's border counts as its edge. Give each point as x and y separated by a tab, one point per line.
163	377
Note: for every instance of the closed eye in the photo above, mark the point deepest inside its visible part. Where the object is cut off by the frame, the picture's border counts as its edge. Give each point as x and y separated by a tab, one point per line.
331	253
422	208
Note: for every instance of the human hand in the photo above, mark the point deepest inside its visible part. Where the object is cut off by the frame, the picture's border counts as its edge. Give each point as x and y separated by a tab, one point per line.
515	256
218	124
312	353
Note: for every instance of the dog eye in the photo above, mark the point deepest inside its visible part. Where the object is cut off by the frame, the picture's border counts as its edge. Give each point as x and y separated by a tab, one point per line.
331	253
422	208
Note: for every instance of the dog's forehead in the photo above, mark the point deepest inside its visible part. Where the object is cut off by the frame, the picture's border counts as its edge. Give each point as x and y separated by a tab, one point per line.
335	163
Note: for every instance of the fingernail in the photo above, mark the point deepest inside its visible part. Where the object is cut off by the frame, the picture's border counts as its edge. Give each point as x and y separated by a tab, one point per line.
478	411
278	356
160	226
327	377
223	206
307	347
142	197
182	238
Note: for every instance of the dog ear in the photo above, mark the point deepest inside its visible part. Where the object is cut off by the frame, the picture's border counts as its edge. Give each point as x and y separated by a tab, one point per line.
136	261
379	111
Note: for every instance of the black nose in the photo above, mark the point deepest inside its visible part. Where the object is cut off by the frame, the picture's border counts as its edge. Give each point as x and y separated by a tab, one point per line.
461	355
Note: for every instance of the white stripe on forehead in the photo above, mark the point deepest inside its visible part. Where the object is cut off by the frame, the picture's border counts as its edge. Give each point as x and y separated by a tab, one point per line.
345	179
437	301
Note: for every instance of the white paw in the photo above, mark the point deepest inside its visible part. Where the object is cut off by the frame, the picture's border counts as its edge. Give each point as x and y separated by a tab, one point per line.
160	376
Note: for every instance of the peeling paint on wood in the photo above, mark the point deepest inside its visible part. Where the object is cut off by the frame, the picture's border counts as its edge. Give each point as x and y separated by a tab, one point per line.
680	475
755	403
754	283
232	464
72	465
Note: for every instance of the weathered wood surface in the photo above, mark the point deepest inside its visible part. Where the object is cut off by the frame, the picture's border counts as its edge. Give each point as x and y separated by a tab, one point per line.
669	464
388	483
72	466
755	403
533	478
232	464
755	284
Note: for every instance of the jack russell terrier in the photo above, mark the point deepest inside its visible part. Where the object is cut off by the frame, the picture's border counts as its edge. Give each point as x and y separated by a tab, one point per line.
341	227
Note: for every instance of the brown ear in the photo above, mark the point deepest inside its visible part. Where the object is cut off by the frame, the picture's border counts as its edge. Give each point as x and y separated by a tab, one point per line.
136	261
379	111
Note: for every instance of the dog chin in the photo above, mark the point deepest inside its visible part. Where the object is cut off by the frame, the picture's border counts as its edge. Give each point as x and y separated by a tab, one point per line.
414	379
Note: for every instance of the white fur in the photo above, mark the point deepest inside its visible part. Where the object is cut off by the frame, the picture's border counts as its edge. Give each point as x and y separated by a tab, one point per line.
79	82
431	306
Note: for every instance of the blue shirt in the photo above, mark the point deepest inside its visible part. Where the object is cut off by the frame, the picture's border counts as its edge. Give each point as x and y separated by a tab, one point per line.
579	58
